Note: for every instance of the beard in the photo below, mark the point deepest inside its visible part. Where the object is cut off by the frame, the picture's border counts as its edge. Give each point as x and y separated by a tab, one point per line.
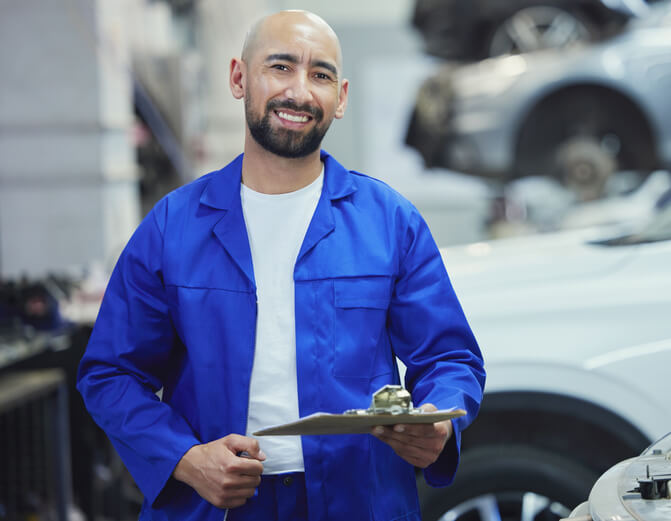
281	141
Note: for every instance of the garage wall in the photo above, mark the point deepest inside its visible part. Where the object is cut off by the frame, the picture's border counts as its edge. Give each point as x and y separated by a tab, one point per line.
68	190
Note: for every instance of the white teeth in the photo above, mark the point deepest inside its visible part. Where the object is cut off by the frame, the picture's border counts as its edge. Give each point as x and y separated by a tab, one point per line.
290	117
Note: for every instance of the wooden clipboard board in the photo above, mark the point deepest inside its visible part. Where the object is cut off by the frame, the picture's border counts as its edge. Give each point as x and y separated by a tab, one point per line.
325	423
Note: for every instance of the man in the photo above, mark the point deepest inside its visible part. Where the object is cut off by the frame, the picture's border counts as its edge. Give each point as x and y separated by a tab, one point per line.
277	287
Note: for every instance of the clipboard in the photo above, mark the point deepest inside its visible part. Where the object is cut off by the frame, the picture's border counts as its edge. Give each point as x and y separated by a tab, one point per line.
324	423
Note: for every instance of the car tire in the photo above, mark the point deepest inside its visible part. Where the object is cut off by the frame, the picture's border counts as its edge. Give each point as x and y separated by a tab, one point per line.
515	482
539	27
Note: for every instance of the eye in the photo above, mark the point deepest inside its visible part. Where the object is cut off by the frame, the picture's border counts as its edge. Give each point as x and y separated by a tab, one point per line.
279	67
322	76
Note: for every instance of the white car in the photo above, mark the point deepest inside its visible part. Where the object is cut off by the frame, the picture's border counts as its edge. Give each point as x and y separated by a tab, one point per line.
575	329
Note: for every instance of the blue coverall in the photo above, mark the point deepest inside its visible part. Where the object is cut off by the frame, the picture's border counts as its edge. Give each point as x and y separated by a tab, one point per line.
179	314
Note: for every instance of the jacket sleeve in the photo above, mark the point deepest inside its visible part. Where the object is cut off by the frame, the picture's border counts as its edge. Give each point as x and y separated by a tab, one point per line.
431	336
126	361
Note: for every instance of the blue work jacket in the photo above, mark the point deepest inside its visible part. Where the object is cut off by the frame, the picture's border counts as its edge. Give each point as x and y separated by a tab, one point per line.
179	314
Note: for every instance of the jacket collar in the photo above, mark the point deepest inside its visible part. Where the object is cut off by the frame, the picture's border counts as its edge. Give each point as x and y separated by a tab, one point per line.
223	188
222	192
338	181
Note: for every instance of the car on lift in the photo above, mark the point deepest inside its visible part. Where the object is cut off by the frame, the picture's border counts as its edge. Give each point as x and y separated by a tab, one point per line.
575	331
471	30
578	114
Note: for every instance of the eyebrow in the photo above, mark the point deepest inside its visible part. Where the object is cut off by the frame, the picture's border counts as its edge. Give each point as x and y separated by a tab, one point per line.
292	58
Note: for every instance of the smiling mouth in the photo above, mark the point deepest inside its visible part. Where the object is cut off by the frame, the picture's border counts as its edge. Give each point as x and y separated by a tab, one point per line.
294	118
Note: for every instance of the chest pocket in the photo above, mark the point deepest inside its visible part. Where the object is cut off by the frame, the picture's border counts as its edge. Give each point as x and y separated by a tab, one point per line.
361	345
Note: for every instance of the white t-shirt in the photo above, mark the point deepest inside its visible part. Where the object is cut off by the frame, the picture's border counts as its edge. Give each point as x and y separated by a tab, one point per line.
276	227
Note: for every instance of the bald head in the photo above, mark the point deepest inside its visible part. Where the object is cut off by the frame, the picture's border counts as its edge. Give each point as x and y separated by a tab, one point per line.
290	77
301	25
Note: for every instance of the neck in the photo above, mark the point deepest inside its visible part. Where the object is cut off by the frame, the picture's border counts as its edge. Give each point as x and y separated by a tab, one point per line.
265	172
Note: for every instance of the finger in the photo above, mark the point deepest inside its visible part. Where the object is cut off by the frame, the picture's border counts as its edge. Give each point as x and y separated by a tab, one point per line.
233	499
245	466
410	431
238	493
388	436
441	429
237	444
407	430
434	446
242	482
429	443
419	430
255	452
417	456
437	431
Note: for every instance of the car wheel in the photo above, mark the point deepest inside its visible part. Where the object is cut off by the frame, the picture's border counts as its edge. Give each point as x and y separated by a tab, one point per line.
538	27
509	483
584	166
581	135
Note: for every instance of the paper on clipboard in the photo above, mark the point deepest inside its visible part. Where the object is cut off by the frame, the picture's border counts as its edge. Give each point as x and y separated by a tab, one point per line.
325	423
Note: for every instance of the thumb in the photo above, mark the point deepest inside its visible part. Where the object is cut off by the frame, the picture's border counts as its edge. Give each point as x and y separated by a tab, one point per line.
428	407
244	444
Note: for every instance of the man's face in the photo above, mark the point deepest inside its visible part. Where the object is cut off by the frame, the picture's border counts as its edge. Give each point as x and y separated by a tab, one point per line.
280	140
293	90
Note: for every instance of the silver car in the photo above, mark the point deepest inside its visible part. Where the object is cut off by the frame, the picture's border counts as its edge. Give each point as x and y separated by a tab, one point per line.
578	114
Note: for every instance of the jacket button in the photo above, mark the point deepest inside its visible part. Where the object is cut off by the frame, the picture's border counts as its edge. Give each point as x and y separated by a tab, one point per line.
287	480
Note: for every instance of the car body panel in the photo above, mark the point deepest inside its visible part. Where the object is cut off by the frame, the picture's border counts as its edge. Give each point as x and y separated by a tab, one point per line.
570	315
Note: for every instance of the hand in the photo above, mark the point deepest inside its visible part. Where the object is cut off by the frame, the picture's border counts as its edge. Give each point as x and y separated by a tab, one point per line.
220	476
419	445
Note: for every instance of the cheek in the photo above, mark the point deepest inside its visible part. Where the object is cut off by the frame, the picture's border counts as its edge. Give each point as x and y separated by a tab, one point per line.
260	91
329	101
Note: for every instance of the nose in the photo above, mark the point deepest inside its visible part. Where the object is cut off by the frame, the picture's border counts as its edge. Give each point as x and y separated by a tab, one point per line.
299	88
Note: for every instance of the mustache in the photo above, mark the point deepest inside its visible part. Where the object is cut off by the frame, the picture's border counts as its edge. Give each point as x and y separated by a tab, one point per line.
276	104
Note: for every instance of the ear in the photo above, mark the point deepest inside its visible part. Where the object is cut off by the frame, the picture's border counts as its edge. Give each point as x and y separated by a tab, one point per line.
237	78
342	99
